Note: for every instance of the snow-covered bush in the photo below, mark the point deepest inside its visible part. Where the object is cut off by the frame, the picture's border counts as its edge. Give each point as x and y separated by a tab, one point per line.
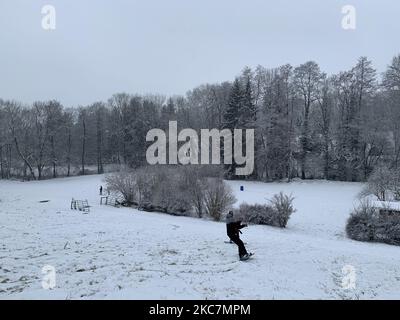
257	214
283	207
174	190
144	184
218	198
379	183
388	231
195	185
169	195
276	214
361	224
183	191
135	186
123	182
367	223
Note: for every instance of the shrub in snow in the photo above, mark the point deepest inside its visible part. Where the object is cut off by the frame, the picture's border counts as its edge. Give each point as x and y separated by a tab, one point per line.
218	198
283	207
367	223
168	194
257	214
176	190
124	183
144	184
388	231
195	184
379	183
361	224
276	214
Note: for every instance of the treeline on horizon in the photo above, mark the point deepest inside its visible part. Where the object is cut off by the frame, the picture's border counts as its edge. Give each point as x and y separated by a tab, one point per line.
307	124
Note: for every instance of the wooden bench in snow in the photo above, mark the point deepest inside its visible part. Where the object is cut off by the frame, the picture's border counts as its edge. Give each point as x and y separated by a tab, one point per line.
81	205
387	208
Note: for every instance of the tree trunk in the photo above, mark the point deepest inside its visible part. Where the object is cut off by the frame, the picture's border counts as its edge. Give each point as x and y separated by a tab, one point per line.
39	168
99	146
326	166
83	145
54	157
69	153
304	142
1	162
9	165
26	162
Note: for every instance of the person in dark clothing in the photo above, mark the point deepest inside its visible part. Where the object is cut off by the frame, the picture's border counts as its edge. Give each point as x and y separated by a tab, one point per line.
233	227
101	190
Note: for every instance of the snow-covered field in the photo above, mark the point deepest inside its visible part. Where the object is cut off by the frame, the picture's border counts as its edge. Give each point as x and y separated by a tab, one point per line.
122	253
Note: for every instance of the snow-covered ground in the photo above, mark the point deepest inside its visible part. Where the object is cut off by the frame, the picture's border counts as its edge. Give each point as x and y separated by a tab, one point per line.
127	254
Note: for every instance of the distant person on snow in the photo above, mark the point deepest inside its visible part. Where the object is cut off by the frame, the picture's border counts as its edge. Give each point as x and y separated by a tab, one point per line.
233	227
101	190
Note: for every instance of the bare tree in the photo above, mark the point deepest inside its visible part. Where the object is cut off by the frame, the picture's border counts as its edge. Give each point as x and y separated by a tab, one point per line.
307	81
83	116
325	101
391	82
17	125
218	198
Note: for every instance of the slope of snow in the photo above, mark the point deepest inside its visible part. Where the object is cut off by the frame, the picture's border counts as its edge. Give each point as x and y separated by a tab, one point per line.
122	253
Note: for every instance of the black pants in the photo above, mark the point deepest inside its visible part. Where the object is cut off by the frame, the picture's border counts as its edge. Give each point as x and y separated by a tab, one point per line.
239	243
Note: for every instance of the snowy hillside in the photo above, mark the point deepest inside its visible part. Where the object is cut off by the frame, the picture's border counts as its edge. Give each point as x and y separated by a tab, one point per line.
128	254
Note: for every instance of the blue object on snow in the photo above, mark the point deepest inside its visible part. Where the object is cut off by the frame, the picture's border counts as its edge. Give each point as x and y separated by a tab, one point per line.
241	188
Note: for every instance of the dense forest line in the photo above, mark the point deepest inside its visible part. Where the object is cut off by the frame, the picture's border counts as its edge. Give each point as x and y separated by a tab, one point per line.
307	124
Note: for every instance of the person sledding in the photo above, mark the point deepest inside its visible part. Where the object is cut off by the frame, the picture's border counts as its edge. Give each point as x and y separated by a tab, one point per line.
233	227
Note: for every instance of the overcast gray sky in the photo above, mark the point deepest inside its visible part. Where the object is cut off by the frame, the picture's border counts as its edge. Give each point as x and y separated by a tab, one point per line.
102	47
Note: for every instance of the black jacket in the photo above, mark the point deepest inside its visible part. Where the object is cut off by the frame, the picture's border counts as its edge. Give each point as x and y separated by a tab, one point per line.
233	228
